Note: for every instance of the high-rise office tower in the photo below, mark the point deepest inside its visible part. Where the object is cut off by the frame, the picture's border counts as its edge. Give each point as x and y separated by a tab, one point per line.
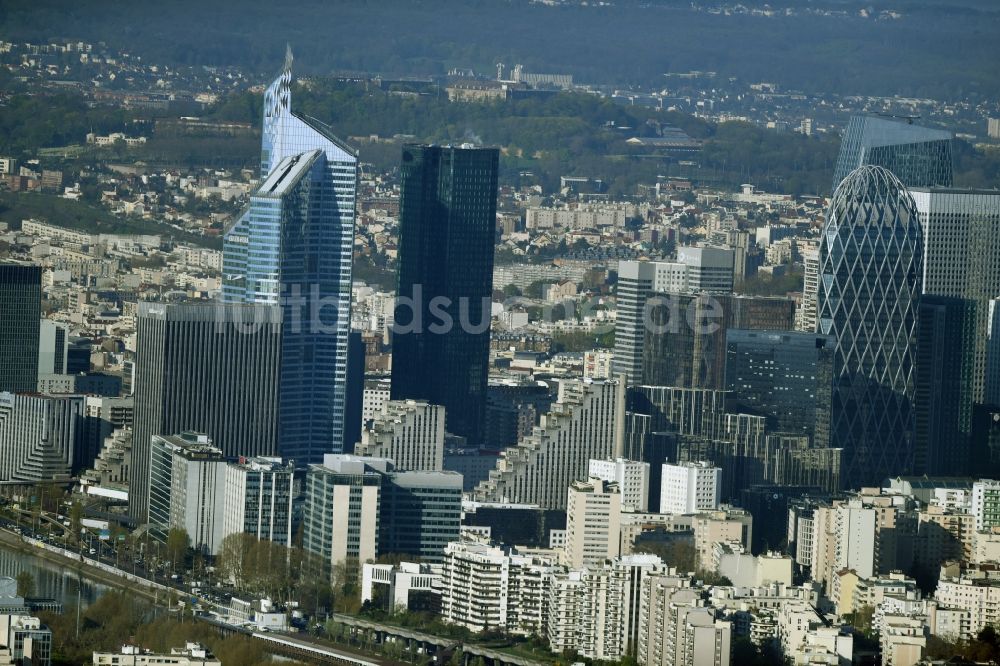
419	513
697	269
52	347
788	376
943	386
441	333
21	309
685	337
961	240
991	391
917	156
340	514
292	248
870	264
208	368
635	284
259	495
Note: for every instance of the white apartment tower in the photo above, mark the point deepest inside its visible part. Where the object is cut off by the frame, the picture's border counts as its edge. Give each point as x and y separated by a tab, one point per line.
676	629
409	432
805	316
593	523
632	477
690	487
856	539
986	504
485	586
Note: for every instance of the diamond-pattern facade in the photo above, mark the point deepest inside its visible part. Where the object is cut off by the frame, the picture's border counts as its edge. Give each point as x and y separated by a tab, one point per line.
870	273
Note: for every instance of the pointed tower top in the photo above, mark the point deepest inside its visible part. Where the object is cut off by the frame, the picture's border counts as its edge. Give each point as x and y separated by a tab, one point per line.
288	57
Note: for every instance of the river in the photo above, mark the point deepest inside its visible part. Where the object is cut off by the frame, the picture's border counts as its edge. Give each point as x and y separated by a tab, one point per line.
52	581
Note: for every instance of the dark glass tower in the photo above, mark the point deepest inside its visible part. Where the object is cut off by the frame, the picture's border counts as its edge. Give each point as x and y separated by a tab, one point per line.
21	310
441	334
946	329
869	285
685	342
787	376
918	156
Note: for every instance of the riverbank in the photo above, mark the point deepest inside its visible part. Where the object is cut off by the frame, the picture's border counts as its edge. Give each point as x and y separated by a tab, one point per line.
17	543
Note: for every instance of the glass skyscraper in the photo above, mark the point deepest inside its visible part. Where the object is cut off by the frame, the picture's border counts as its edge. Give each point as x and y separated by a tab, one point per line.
447	227
21	307
788	376
870	281
944	367
292	247
918	156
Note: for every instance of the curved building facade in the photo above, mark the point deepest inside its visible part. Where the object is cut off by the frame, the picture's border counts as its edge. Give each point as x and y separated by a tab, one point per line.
870	281
918	156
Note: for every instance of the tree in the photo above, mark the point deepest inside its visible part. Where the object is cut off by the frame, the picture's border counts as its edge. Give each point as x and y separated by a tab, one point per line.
178	543
676	552
511	290
535	289
25	584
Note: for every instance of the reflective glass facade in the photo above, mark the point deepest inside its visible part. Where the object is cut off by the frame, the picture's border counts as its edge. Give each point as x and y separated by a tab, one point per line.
447	225
292	247
870	267
787	376
21	305
918	156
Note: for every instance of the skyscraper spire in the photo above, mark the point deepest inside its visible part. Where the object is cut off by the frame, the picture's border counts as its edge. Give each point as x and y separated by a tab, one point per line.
277	251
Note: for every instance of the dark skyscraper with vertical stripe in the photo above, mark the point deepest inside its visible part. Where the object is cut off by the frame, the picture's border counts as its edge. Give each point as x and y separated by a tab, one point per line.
21	309
441	330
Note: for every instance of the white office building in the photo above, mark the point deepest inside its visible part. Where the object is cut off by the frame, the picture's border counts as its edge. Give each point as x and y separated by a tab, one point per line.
403	586
341	512
961	238
258	499
187	477
690	487
697	269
